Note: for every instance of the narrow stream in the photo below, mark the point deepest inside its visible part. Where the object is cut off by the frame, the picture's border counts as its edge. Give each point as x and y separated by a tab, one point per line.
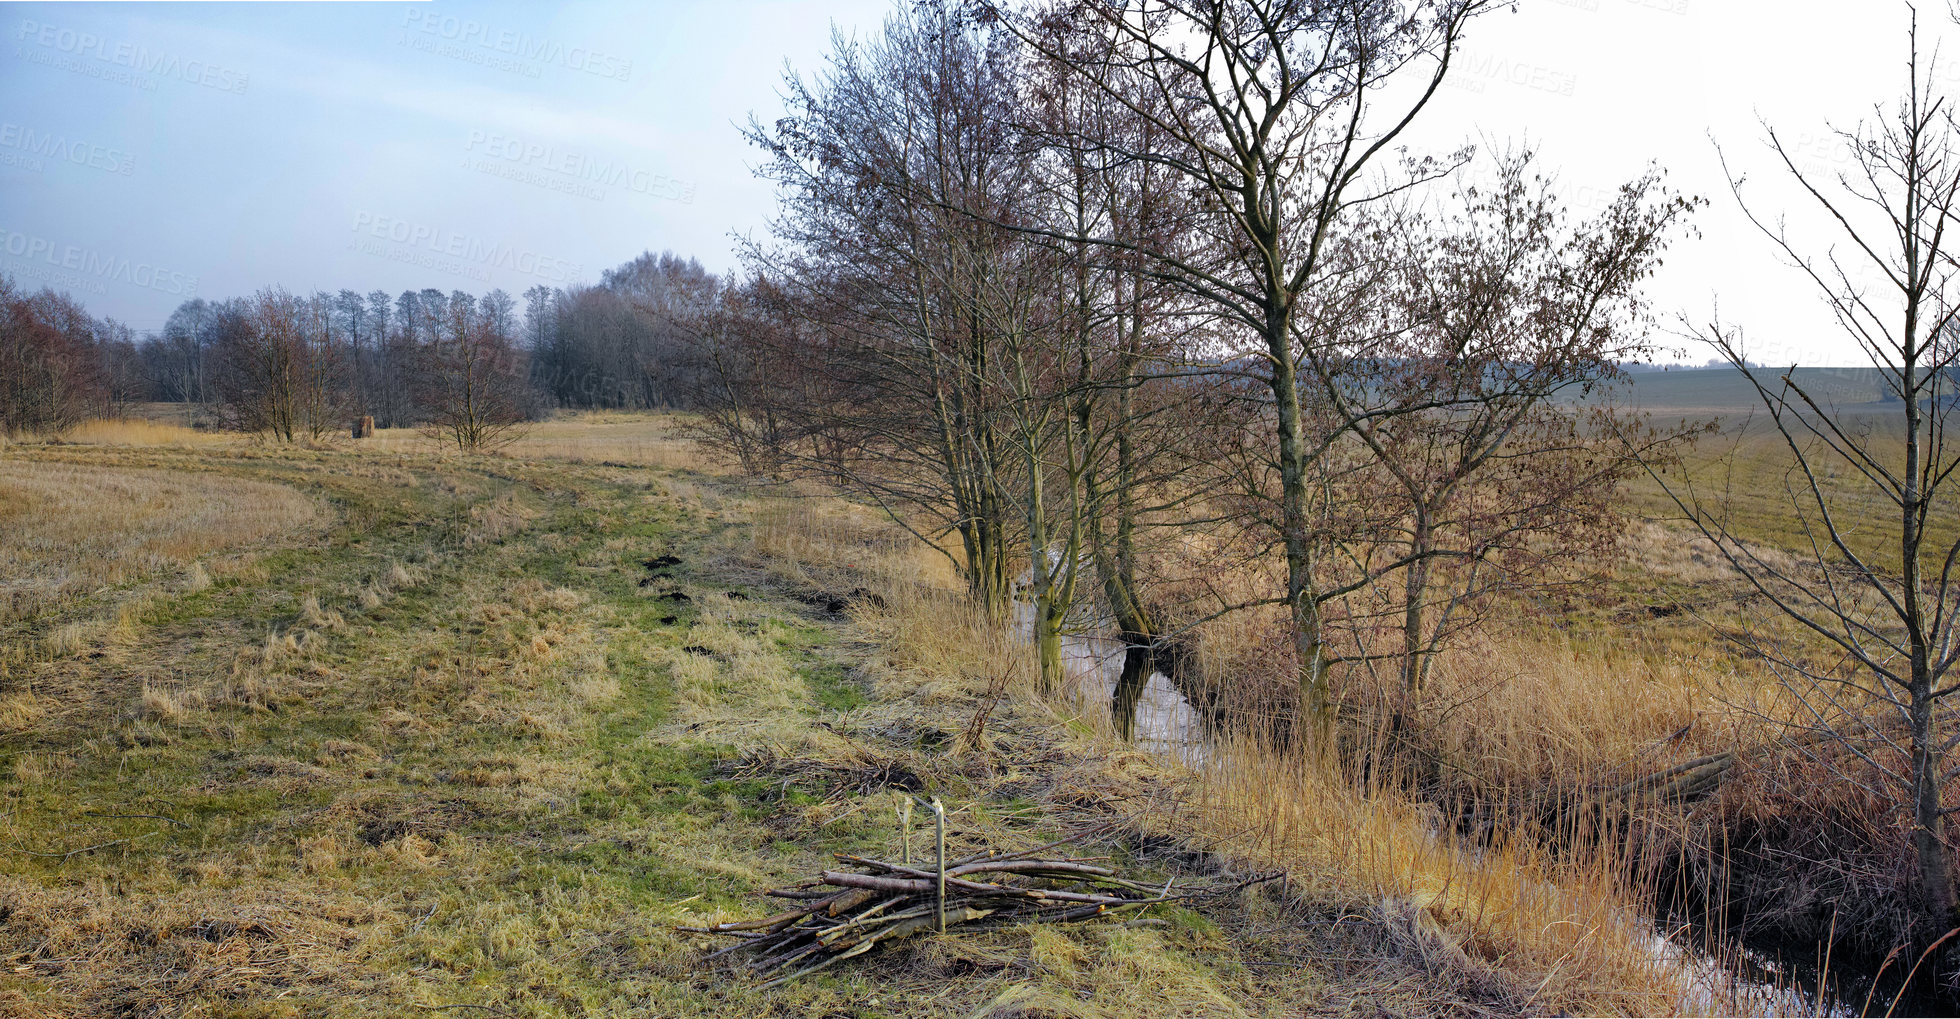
1166	724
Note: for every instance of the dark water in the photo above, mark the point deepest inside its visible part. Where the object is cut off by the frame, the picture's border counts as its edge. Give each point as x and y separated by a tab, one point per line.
1824	979
1757	976
1106	670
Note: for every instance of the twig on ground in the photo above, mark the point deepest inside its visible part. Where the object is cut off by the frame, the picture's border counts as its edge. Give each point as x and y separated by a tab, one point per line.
149	817
71	852
847	913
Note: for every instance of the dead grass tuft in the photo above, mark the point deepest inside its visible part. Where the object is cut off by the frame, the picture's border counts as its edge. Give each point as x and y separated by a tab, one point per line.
20	711
497	520
167	705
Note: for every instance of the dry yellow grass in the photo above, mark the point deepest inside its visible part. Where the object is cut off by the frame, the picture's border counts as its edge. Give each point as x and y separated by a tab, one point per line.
132	431
1566	928
66	529
523	670
495	778
822	543
636	439
143	432
627	438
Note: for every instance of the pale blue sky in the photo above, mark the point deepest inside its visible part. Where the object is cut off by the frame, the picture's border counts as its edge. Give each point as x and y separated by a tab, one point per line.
147	148
381	145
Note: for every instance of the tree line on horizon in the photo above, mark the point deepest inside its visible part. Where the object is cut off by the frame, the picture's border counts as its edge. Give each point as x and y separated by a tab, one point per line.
291	365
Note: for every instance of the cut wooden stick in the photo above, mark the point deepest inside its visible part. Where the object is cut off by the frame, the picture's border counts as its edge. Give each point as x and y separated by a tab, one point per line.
844	913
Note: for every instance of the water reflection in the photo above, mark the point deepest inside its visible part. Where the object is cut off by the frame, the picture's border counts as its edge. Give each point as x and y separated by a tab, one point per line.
1149	712
1144	706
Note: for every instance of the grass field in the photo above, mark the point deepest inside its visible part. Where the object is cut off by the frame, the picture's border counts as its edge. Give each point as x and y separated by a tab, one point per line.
1746	477
69	529
371	730
375	729
615	438
1709	392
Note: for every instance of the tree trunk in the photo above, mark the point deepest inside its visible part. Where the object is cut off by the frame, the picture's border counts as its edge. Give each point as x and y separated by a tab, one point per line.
1415	589
1048	637
1928	821
1116	561
1139	661
1041	573
1315	701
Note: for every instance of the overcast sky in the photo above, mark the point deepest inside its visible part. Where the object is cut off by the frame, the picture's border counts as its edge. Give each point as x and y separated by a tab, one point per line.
149	151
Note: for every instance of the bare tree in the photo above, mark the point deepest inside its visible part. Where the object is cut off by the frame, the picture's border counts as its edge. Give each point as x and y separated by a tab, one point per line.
1500	308
327	362
188	336
1265	111
740	400
896	167
262	355
358	323
124	379
1123	338
472	383
499	311
1875	590
51	374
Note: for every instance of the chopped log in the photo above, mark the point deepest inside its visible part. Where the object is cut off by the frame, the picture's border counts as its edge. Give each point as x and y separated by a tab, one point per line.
1690	780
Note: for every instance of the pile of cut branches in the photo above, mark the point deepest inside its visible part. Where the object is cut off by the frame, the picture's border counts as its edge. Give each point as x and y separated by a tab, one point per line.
846	913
